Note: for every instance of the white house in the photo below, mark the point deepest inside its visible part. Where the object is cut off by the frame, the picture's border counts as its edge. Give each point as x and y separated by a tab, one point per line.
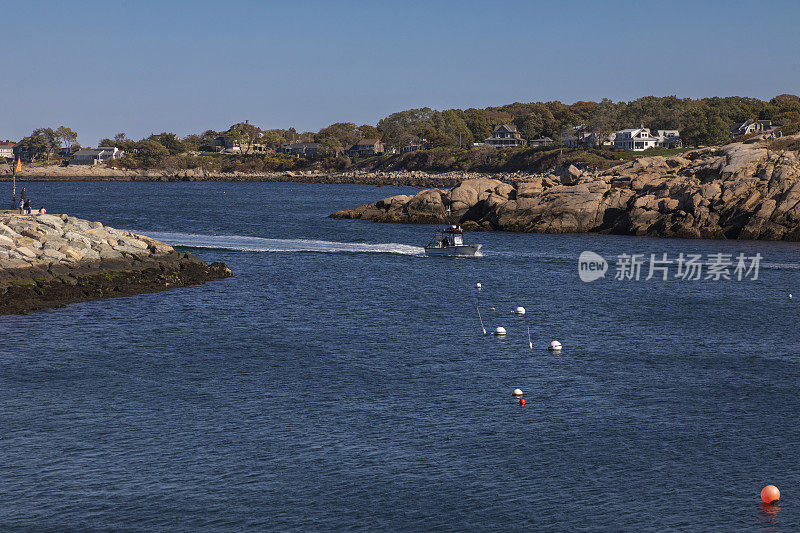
635	139
7	149
99	155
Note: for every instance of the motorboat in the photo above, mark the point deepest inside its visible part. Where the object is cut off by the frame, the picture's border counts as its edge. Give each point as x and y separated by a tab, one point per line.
449	242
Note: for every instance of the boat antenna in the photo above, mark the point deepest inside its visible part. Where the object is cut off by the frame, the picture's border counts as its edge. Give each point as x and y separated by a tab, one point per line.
481	319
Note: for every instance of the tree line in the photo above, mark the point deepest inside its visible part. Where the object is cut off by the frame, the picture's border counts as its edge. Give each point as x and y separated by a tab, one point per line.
704	121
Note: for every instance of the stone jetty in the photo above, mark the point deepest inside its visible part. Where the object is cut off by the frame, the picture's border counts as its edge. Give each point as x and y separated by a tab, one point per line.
51	260
748	190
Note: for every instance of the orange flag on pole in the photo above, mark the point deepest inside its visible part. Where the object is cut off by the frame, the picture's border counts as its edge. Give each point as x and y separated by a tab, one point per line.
18	168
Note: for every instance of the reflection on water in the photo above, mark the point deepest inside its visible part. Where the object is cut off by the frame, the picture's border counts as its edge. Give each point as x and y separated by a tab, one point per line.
769	516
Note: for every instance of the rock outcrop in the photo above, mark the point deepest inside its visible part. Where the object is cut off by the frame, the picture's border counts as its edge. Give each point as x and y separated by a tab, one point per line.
51	260
745	190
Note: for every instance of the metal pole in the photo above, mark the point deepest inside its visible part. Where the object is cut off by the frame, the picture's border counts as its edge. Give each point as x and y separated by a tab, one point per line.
14	187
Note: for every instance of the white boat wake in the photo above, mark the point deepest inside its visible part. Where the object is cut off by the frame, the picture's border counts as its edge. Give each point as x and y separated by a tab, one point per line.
242	243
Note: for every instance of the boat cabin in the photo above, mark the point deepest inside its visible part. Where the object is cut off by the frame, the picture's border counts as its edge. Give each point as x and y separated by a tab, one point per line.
450	236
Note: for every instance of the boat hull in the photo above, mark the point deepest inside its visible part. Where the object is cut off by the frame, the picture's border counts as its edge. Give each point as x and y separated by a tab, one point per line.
465	250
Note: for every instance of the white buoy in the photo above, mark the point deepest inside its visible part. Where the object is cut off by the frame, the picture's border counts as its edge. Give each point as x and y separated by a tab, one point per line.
499	330
530	342
790	296
478	286
517	392
555	346
519	310
491	309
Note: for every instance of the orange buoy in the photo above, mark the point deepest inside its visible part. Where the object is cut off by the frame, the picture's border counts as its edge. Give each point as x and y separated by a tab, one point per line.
770	494
522	402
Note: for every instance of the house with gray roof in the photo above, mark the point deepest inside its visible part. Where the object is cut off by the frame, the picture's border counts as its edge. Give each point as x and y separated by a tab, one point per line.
300	149
754	126
669	139
540	141
366	148
580	136
95	156
505	136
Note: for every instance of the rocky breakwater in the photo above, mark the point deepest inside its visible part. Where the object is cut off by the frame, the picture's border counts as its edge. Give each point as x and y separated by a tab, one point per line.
51	260
745	190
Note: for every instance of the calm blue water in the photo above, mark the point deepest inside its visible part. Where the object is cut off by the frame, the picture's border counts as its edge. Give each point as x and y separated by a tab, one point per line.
341	382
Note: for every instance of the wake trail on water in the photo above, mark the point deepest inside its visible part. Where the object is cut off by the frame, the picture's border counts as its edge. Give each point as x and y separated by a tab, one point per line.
243	243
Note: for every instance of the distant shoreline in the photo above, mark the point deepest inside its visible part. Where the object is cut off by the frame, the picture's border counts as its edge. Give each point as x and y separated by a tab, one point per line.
379	178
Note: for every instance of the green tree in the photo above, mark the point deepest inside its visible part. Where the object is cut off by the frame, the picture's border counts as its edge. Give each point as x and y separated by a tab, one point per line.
343	133
273	138
170	141
42	143
399	129
248	135
330	146
150	153
604	118
451	129
67	137
368	132
193	142
120	141
479	124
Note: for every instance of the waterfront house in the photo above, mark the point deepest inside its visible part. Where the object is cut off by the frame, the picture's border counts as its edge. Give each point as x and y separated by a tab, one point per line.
540	141
669	139
22	151
94	156
635	139
7	149
300	149
754	126
580	136
505	136
414	146
228	145
366	148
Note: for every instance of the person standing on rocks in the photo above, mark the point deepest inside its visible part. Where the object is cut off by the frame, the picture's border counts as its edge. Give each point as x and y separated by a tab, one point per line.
23	195
21	205
27	206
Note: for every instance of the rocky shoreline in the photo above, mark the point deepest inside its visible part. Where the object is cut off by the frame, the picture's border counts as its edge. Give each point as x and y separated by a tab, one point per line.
51	260
410	178
747	190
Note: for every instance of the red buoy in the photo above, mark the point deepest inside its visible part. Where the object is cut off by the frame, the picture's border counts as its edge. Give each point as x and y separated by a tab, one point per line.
770	494
522	402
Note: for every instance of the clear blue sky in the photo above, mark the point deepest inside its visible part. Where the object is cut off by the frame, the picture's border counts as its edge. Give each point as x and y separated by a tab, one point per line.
187	66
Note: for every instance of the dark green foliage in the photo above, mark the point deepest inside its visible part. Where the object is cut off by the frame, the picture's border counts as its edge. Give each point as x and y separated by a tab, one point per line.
42	143
170	141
